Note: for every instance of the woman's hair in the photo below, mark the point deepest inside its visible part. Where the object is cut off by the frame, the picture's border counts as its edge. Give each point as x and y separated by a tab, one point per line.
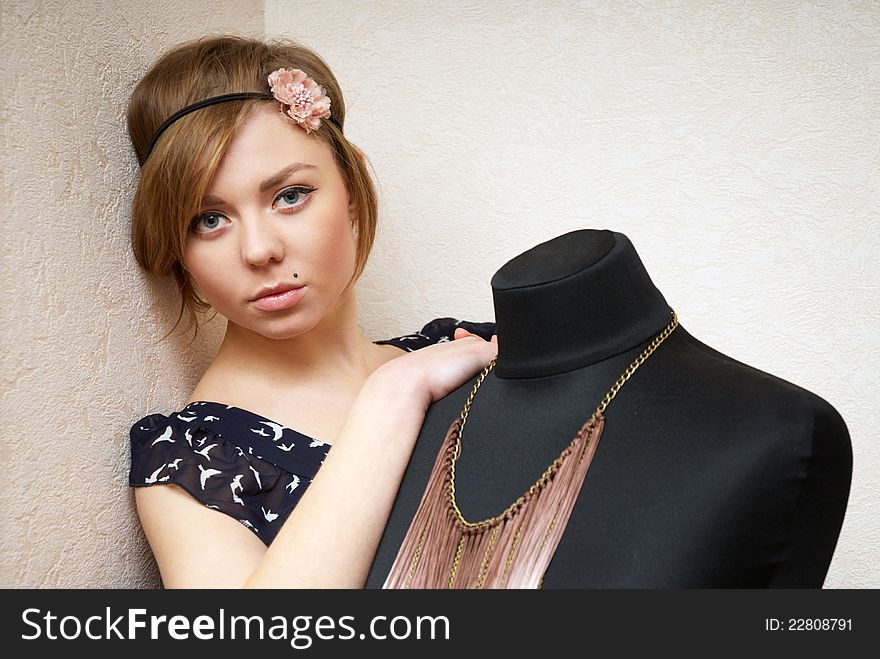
176	175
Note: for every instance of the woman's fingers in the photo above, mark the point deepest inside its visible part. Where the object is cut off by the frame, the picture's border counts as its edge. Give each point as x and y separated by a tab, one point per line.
461	333
440	368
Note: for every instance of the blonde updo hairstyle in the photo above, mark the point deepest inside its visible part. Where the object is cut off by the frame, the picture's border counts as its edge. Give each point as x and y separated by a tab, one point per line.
178	171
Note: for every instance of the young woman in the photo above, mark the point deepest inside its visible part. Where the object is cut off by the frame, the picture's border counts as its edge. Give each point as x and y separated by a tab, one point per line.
282	467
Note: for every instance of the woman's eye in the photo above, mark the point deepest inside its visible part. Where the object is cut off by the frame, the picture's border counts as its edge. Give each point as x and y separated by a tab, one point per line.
295	196
210	222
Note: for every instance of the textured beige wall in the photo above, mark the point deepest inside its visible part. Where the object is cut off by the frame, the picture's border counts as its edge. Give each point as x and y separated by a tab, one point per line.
78	315
735	143
736	146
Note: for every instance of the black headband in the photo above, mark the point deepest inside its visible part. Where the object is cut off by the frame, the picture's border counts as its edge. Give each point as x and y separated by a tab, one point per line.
197	106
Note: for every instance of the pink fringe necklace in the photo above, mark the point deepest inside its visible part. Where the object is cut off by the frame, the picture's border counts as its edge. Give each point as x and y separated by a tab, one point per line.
442	549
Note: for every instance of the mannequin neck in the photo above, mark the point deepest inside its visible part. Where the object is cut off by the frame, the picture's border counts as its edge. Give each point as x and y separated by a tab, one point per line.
571	302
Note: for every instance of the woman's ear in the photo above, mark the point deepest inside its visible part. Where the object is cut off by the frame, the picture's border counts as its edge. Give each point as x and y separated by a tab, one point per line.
352	206
352	214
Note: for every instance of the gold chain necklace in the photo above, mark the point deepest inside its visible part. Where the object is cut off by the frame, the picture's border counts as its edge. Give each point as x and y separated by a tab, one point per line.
431	529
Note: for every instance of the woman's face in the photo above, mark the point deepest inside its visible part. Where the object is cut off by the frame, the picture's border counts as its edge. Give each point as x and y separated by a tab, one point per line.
278	205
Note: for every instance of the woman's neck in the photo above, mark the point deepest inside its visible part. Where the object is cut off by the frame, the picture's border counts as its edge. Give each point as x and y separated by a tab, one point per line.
336	348
571	302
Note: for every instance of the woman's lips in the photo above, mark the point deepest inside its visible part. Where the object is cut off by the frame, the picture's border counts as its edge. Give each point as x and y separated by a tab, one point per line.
278	301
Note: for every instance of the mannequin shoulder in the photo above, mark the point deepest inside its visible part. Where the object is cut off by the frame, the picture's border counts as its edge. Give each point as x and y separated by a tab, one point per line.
768	399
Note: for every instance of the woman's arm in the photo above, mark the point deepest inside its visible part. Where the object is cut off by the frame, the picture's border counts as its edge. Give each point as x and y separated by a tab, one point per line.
331	536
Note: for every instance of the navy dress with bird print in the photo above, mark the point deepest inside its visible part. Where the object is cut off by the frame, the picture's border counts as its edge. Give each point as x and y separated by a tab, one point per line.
243	464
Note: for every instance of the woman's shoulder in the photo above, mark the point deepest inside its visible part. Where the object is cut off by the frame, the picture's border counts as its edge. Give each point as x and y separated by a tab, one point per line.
440	330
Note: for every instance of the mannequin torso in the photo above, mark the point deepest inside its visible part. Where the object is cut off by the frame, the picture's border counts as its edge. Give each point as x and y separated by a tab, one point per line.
709	474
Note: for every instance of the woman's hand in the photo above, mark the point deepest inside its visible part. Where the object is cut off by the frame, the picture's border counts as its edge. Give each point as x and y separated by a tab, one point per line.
437	370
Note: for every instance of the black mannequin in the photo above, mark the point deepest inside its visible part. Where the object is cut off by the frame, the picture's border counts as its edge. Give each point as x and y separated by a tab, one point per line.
709	474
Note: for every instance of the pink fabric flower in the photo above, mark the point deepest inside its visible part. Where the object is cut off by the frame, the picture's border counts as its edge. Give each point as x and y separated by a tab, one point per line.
303	100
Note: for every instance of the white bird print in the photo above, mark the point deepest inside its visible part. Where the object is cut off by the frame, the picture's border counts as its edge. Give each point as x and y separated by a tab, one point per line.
269	515
286	448
212	418
240	452
164	437
175	464
257	476
316	442
204	451
203	440
229	407
236	483
164	478
142	428
207	473
249	525
292	485
189	438
277	429
152	478
186	418
260	432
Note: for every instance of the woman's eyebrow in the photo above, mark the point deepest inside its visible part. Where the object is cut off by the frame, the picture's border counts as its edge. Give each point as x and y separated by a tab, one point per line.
279	176
271	181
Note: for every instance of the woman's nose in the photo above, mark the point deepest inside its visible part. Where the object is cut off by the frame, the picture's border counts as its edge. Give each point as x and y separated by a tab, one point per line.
260	241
